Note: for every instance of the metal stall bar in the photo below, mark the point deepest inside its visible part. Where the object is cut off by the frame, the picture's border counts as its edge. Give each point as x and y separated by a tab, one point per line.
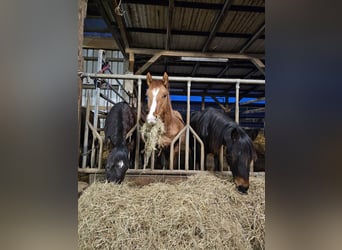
175	78
97	103
98	136
187	127
86	132
137	147
237	97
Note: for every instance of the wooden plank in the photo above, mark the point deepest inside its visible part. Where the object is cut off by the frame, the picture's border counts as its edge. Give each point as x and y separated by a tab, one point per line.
100	43
152	60
169	24
131	62
259	64
176	53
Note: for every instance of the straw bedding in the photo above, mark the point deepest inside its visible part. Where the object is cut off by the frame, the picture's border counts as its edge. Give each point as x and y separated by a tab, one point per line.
203	212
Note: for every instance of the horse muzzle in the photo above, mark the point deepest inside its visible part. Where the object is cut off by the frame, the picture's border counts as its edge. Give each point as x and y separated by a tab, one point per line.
242	190
151	119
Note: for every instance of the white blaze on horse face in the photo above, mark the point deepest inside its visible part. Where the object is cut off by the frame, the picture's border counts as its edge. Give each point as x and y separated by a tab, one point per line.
120	164
150	117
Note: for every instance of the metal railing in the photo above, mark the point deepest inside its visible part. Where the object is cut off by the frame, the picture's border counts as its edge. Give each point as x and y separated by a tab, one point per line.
187	129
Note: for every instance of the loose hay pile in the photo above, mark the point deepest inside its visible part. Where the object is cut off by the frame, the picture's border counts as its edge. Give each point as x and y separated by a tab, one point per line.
151	134
204	212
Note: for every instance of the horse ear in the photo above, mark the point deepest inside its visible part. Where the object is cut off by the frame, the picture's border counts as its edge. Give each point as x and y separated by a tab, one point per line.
166	80
235	135
148	78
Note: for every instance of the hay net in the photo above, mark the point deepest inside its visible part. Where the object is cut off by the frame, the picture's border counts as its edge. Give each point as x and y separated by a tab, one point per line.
203	212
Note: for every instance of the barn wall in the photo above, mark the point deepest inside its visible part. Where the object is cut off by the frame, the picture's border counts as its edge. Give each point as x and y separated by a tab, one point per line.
116	61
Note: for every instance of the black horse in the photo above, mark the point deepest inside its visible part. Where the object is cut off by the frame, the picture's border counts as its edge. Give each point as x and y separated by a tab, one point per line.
119	121
216	128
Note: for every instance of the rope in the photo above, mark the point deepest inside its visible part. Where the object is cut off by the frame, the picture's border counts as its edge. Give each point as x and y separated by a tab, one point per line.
118	10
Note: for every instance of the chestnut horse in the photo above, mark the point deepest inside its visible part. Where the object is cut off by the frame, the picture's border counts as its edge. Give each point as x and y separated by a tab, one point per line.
159	106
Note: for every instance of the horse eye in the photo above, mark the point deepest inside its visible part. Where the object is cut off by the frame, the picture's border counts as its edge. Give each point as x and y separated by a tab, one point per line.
164	96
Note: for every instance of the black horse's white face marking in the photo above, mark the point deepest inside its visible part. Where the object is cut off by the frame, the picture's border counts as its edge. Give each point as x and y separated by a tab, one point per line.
120	164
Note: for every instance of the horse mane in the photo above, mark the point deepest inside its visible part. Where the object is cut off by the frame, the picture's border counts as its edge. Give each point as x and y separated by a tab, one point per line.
219	129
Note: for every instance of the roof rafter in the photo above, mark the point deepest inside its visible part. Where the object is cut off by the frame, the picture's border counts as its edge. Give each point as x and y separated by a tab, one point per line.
216	24
121	23
113	29
253	38
197	5
168	29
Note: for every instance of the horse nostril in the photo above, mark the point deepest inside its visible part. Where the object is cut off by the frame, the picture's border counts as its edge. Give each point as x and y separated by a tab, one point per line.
242	189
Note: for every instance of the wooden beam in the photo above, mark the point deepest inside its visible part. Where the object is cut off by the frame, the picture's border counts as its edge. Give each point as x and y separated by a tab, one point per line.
199	5
216	24
190	33
223	71
214	27
259	64
131	62
100	43
115	33
148	64
252	72
169	24
121	23
226	109
168	31
176	53
253	39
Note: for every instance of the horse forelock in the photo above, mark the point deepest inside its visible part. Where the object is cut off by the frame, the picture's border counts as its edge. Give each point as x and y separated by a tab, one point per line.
245	146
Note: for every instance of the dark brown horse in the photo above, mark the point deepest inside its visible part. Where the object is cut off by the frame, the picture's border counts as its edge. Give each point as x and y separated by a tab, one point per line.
159	106
216	129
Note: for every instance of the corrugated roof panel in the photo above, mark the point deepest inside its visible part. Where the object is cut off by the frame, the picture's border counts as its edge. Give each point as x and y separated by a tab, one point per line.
257	47
260	3
193	43
193	19
224	44
242	22
143	40
146	16
236	72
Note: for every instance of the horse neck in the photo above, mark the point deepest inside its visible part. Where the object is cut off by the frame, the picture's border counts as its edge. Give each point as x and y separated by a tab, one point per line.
168	114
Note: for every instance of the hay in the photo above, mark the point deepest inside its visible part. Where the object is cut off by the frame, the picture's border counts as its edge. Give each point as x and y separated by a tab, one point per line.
151	134
259	144
204	212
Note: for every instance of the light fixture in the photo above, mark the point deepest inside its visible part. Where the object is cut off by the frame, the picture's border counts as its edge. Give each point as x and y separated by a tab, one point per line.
203	59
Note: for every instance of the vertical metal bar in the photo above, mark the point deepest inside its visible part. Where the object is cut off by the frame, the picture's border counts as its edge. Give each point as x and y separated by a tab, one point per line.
194	153
179	153
187	134
221	158
97	101
237	97
86	132
137	147
203	103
